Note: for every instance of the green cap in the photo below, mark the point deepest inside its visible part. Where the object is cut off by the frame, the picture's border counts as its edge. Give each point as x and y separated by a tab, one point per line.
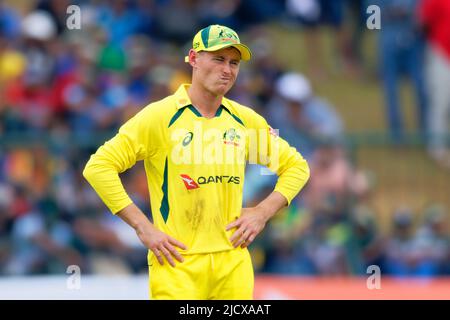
216	37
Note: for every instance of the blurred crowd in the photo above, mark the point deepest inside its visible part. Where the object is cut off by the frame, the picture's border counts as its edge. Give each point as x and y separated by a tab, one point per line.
71	89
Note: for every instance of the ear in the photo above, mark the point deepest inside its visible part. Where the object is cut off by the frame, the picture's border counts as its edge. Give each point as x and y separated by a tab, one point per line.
193	56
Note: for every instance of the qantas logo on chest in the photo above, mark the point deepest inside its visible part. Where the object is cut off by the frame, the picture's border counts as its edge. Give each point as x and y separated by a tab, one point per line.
190	183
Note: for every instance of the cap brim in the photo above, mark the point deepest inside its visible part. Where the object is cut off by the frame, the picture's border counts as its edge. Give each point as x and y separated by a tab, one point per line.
246	54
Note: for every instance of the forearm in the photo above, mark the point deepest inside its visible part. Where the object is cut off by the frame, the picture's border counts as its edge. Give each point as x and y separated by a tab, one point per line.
273	203
161	244
135	218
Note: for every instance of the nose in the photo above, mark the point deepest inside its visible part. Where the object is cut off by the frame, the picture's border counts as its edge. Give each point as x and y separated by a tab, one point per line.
226	69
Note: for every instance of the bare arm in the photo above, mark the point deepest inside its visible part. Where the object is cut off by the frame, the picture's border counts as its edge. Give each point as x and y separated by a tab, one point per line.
157	241
253	220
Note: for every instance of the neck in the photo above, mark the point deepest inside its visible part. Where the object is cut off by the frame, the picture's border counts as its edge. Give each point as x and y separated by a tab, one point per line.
204	101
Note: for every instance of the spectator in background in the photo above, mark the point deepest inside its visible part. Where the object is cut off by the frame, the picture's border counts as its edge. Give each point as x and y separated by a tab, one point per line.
174	20
435	21
221	12
366	245
57	10
401	50
416	253
332	184
284	241
12	67
119	21
326	246
311	14
398	246
431	243
357	21
421	252
332	15
266	67
255	12
147	11
307	14
9	22
303	118
31	94
40	244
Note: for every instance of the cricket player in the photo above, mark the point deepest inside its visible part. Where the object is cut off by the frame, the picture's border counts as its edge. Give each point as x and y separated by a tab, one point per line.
195	145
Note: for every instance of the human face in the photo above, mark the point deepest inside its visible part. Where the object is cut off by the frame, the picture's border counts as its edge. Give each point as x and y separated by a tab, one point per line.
216	71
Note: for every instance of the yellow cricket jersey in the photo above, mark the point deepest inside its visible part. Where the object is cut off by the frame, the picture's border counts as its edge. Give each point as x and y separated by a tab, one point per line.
195	166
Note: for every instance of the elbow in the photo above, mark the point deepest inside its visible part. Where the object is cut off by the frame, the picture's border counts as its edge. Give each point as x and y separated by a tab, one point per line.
96	169
298	169
87	171
303	173
302	170
307	171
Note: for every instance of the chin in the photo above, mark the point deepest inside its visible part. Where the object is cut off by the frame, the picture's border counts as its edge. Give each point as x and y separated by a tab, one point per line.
223	89
222	92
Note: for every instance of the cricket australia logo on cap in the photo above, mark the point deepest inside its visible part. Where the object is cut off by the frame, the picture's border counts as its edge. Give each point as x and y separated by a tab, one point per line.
227	35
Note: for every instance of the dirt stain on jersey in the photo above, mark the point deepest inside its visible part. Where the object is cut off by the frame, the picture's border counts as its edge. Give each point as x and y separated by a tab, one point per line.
195	215
218	218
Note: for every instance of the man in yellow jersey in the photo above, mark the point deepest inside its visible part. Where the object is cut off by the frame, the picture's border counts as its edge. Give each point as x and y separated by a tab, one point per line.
195	145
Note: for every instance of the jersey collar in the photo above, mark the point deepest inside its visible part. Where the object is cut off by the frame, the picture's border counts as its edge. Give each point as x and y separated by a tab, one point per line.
181	97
